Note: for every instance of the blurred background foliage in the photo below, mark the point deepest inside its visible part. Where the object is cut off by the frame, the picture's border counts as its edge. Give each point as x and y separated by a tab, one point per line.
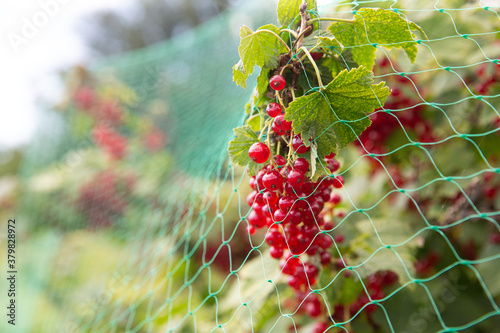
125	198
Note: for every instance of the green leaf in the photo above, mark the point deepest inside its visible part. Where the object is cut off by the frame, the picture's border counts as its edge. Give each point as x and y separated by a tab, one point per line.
261	88
321	38
239	146
489	269
314	156
260	48
341	289
288	11
330	44
392	231
308	78
239	74
254	123
376	26
335	116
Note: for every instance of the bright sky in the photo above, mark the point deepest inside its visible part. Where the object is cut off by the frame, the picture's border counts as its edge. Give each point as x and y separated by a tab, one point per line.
37	38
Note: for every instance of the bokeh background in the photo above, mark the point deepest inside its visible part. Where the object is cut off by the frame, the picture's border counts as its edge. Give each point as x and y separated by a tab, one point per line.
113	135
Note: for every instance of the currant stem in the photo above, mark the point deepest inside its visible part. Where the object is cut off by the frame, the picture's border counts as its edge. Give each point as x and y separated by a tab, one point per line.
290	149
305	55
263	129
253	116
303	24
318	75
268	141
279	98
346	318
291	31
277	36
283	69
332	19
301	35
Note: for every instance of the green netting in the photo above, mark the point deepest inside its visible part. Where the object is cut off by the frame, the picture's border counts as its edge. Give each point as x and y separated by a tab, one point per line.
154	239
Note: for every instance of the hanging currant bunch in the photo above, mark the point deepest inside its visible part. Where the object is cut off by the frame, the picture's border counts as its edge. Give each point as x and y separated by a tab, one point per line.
313	97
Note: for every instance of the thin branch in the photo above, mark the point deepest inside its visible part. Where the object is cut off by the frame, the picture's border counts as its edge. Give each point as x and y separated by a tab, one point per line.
303	23
294	33
318	74
277	36
330	19
280	99
311	50
301	35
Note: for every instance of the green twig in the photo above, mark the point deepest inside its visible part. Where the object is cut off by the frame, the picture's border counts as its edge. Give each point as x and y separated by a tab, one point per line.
277	36
318	74
330	19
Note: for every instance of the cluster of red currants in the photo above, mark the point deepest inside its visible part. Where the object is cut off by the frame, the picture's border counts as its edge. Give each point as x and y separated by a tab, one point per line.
112	142
103	110
376	285
376	138
103	199
155	140
107	115
290	205
486	76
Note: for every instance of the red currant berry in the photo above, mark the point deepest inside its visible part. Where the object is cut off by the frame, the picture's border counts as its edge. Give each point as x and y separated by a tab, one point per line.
321	327
274	109
277	82
298	145
296	178
308	188
257	220
325	258
312	249
495	238
294	282
270	198
275	238
258	180
279	160
295	216
339	238
257	207
275	252
313	307
273	180
254	197
281	124
289	190
267	211
251	229
277	130
252	182
333	165
335	199
281	216
285	203
331	156
325	195
325	241
301	164
389	278
316	55
338	182
259	152
289	263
